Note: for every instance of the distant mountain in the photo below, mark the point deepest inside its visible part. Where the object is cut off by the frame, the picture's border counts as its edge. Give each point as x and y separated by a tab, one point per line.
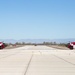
37	40
8	40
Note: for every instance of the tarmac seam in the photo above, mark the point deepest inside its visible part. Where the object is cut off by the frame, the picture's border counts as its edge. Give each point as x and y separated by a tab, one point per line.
9	55
28	64
64	60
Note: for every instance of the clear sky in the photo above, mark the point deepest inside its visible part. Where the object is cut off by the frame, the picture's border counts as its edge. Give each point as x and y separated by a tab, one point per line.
37	19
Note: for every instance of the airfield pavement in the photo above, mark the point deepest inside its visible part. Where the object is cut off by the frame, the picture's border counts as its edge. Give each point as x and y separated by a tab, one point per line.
37	60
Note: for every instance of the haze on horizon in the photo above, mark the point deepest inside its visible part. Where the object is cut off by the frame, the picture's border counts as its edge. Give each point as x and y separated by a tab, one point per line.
37	19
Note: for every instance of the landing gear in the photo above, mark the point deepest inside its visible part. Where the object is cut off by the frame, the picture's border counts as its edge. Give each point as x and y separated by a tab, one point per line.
0	47
71	47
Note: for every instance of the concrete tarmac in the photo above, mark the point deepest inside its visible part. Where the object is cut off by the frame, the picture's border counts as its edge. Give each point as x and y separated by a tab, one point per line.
37	60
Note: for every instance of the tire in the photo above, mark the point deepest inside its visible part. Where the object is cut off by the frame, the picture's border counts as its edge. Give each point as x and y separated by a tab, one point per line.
0	47
71	47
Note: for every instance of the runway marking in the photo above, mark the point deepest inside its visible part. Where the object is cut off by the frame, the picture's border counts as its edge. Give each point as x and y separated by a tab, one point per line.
28	64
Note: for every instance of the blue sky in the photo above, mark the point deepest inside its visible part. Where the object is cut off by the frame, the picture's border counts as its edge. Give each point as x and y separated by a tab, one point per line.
37	19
